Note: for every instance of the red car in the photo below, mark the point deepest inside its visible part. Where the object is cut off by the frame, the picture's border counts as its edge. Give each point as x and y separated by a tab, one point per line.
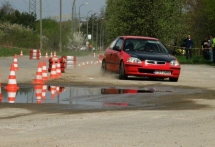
140	56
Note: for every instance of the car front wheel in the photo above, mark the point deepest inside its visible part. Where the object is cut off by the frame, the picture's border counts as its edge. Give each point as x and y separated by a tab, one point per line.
122	74
103	68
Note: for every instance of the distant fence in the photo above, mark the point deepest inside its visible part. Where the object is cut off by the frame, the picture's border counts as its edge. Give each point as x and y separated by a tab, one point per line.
181	50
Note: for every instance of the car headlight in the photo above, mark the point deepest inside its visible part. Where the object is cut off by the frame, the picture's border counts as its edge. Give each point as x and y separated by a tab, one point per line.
174	63
134	60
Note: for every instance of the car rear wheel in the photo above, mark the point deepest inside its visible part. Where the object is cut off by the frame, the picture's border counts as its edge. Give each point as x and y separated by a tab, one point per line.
173	79
103	68
122	74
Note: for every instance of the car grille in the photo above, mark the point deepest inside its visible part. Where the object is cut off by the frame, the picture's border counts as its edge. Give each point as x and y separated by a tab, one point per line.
141	70
154	62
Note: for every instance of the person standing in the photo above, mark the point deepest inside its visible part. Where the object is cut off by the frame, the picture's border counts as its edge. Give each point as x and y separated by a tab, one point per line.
205	49
211	49
188	47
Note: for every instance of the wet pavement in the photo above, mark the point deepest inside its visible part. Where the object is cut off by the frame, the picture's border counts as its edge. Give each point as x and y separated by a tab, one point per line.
105	98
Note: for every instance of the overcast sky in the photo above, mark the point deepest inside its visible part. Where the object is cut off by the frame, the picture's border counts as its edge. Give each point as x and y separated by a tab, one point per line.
52	7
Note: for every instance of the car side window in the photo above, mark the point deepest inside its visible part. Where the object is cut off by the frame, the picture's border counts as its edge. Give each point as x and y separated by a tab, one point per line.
119	43
113	43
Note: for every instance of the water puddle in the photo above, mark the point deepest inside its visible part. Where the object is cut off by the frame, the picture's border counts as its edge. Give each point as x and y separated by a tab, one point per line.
90	97
63	95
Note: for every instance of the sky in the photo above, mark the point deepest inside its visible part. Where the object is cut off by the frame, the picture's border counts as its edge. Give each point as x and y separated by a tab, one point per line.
52	7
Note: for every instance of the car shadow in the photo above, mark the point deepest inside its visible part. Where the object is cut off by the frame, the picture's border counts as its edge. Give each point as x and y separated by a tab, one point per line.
140	78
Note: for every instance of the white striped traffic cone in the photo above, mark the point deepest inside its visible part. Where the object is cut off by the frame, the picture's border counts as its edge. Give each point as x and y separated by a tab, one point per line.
47	55
21	54
44	92
44	72
15	62
51	54
38	93
52	89
55	54
39	76
12	79
58	69
53	73
12	85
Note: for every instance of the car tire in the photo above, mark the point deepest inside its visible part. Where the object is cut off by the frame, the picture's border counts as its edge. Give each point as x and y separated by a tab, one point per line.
122	74
173	79
102	91
103	70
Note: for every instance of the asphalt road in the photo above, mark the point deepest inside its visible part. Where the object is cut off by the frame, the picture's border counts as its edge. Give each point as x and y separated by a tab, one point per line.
187	120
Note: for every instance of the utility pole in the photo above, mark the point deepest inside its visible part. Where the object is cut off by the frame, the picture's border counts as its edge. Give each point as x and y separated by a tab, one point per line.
73	21
100	42
32	6
60	26
41	41
97	34
92	34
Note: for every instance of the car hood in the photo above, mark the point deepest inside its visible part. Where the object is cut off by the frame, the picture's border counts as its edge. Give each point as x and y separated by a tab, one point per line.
152	56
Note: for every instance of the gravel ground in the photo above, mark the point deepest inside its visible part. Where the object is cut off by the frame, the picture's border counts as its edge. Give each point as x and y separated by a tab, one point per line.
23	127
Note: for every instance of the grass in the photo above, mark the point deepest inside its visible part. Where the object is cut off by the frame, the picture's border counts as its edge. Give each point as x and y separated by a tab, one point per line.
194	60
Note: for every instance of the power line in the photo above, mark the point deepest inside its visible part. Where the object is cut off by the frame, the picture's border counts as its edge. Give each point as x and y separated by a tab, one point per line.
32	6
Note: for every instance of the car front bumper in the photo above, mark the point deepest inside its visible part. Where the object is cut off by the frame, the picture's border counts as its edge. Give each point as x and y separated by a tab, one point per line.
160	71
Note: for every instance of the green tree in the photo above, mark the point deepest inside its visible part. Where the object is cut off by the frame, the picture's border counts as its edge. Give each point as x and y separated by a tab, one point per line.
51	33
154	18
200	18
7	13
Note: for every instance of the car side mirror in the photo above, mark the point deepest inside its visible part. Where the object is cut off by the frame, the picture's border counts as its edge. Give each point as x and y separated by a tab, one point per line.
116	48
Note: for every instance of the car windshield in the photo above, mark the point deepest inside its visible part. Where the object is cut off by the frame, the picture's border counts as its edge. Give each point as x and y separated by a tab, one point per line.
143	45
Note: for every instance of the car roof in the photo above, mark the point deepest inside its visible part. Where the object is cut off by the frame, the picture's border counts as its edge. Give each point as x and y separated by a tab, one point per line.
140	37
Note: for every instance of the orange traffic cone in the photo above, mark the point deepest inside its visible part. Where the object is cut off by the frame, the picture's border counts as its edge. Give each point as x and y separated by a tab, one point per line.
44	72
15	62
47	55
51	55
11	95
12	79
40	55
12	85
53	89
53	73
58	90
54	53
44	92
21	54
58	69
38	93
39	76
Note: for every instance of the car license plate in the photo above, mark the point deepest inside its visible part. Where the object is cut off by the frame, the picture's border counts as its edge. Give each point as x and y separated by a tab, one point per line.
162	72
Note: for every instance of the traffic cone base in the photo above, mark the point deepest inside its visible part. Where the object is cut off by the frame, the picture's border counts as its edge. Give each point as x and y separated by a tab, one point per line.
12	85
11	95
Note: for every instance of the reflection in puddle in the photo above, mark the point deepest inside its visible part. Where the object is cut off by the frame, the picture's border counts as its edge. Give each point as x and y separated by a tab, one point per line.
85	98
49	94
78	96
130	91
